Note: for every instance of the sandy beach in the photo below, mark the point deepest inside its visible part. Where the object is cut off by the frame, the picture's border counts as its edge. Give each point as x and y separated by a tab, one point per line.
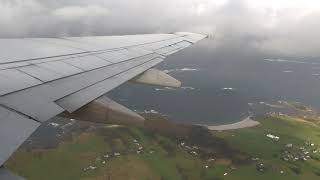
247	122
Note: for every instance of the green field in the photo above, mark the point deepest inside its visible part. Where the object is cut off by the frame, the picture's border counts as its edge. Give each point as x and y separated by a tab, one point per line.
162	156
298	132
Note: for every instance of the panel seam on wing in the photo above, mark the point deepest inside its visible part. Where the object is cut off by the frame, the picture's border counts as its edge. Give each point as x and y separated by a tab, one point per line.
131	59
18	112
108	77
63	55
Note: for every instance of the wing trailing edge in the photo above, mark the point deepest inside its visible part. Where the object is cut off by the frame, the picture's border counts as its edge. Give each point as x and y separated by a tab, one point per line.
15	128
8	175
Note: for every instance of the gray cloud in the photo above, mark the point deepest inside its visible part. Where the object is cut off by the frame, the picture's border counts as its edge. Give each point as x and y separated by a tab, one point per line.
234	22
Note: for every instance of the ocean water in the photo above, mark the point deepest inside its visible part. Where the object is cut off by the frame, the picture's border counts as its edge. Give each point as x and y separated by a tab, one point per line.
218	84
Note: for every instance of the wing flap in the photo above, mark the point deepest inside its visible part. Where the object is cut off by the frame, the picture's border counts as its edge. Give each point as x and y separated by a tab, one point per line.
105	110
14	130
13	80
7	175
40	73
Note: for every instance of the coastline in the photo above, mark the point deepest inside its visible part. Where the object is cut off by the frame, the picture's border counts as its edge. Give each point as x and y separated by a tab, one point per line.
245	123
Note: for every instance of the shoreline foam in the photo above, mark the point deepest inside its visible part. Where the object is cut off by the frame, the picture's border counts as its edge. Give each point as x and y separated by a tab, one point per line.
245	123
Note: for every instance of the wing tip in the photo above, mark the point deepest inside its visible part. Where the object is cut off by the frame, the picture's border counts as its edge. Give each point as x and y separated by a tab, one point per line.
194	37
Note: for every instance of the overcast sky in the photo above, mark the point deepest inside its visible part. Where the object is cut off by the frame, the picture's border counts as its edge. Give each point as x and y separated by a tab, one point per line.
289	27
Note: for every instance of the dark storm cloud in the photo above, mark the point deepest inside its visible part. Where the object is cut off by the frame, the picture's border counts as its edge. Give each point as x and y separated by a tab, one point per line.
235	23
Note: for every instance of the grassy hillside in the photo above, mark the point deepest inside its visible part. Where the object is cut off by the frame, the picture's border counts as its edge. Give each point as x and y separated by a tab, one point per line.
294	156
168	151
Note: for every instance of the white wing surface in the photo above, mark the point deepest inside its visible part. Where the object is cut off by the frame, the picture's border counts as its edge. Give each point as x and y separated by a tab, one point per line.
43	77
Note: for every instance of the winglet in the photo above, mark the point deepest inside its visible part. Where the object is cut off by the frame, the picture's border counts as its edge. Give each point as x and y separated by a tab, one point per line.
157	77
192	37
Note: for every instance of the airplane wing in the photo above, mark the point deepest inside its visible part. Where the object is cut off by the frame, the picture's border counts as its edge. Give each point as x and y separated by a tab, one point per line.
43	77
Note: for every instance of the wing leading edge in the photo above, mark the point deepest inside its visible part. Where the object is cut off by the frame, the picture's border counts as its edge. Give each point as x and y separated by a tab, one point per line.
42	78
